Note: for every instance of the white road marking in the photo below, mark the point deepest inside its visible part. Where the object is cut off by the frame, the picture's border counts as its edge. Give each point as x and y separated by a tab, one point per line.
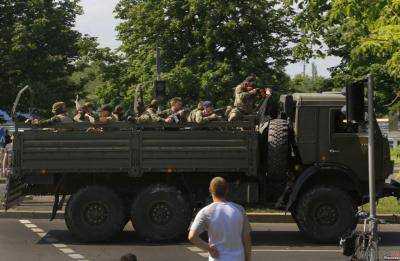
37	230
203	254
75	256
49	239
67	250
195	249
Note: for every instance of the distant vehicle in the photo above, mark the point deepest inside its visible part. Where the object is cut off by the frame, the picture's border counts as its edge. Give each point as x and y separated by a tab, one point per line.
5	117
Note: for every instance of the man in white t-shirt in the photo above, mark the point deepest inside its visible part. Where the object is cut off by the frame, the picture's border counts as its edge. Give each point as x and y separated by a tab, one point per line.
227	226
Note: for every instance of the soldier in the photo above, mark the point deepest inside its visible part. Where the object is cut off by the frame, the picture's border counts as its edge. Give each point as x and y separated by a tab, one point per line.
118	113
175	114
150	114
207	114
85	114
106	115
59	110
245	96
192	114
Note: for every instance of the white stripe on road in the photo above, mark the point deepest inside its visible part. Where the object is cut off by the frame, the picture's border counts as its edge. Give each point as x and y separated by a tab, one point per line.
195	249
45	237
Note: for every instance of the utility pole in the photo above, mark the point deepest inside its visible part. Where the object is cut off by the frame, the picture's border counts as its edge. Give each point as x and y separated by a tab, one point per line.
158	63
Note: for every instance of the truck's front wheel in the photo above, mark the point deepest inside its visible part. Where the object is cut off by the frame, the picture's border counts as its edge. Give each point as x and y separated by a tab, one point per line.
161	212
325	214
94	214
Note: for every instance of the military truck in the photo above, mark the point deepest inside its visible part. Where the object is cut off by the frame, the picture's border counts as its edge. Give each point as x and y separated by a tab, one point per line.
309	161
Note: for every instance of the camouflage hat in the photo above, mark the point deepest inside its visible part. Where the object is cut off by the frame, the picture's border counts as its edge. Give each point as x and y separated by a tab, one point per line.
88	105
175	100
58	107
252	78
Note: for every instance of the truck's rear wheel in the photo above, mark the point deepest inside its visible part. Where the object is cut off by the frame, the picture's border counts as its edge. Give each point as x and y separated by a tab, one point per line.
94	214
278	149
325	214
161	213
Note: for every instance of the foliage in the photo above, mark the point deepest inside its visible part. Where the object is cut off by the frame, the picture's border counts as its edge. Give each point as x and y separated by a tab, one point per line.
365	34
301	83
207	47
38	47
395	154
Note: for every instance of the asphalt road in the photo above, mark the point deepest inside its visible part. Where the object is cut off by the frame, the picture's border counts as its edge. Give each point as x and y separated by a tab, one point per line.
40	240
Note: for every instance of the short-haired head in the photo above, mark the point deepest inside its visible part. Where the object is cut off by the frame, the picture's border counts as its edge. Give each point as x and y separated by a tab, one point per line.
218	187
154	104
200	105
129	257
118	109
175	101
59	107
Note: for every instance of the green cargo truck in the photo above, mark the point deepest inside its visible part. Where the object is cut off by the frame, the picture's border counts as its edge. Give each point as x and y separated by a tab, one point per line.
309	161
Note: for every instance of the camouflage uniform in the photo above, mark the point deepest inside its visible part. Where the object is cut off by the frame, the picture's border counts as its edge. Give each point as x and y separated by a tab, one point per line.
192	114
181	115
150	116
60	116
244	103
200	118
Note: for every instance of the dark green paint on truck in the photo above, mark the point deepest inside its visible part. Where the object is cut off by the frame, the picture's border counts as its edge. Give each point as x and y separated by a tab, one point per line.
157	175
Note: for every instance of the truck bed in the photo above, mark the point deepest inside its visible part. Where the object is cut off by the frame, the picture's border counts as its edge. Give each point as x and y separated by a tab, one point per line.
136	152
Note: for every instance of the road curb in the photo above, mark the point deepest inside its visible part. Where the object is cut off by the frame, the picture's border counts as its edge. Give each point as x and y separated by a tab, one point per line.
253	217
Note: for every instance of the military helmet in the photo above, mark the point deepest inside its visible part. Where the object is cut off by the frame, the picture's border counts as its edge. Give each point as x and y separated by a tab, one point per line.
58	107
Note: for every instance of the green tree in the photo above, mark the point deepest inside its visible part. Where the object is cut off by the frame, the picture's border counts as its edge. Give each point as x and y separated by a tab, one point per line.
207	47
365	34
301	83
38	46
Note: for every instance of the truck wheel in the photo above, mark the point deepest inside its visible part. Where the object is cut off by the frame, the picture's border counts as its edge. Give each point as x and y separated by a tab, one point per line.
278	149
161	213
94	214
325	214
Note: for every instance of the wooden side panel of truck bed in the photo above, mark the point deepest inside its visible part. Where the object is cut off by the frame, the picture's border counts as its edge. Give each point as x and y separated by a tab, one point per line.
137	152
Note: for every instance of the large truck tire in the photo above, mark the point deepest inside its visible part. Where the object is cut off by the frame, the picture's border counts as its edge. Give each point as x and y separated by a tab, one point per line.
161	213
94	214
325	214
277	150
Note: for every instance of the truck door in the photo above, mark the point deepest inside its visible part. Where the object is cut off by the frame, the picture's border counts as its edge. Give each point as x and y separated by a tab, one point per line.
347	147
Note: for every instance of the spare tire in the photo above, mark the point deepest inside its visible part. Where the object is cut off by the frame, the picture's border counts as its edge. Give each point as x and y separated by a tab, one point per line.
161	213
277	150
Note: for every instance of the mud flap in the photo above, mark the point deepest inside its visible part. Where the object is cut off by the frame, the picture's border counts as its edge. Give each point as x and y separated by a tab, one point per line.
15	191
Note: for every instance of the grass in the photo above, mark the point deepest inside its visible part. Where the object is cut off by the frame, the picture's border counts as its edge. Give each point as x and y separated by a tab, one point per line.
395	154
386	206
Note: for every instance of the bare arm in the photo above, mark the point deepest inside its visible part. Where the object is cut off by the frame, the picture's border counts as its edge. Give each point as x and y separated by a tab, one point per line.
246	238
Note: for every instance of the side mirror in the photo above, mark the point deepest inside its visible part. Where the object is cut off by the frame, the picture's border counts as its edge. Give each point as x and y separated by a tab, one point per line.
355	103
289	107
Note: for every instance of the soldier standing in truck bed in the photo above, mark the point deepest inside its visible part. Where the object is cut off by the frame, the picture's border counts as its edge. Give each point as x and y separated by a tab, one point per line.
207	114
85	114
245	97
150	114
192	114
59	110
175	114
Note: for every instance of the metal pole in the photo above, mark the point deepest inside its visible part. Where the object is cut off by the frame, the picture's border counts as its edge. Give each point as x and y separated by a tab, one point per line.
371	153
158	62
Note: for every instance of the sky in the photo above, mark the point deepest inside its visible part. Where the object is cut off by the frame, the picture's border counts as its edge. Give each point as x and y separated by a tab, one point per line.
98	20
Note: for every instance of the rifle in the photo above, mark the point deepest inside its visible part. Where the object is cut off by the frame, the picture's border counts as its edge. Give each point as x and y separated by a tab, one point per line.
175	117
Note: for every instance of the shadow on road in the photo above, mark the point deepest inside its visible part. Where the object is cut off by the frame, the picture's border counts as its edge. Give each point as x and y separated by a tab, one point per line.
260	238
